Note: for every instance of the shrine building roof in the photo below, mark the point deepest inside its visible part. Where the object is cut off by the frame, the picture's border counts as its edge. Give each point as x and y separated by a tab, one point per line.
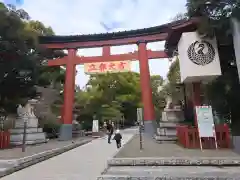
175	33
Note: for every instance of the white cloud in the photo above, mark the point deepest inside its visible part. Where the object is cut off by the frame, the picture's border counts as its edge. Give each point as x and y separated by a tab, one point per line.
85	17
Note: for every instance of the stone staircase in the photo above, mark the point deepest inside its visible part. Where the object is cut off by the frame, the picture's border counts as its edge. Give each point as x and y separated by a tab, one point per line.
166	133
170	172
184	168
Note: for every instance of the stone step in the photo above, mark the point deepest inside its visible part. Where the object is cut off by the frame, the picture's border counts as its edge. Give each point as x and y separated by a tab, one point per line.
166	132
165	138
28	130
170	172
166	142
227	161
29	142
168	124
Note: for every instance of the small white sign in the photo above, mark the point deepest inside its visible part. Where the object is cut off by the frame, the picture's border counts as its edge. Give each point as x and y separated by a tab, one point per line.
139	115
205	121
95	127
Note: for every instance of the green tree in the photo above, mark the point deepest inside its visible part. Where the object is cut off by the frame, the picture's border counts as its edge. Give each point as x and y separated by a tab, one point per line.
173	74
180	16
17	61
157	95
111	96
47	76
20	56
172	87
215	19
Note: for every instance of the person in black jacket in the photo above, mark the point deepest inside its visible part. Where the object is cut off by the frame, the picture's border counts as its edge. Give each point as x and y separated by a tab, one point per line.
109	131
118	138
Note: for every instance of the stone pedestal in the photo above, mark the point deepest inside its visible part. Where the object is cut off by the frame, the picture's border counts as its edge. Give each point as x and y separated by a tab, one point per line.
172	115
167	130
34	135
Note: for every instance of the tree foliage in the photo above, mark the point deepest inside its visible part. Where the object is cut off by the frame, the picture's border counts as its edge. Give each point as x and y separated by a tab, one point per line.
173	74
113	96
21	57
17	60
179	16
172	87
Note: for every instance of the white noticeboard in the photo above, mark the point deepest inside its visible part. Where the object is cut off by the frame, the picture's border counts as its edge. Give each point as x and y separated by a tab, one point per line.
95	127
205	121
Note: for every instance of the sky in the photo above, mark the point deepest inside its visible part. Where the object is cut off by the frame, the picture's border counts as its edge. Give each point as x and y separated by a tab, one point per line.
76	17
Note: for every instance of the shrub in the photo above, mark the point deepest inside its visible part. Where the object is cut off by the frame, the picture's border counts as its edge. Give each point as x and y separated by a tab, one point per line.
51	128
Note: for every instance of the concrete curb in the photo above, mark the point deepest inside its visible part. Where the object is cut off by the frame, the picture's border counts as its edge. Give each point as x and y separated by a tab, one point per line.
175	161
166	177
22	163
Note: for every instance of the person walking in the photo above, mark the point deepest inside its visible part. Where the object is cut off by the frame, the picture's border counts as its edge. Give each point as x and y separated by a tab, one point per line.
118	138
110	131
113	126
104	127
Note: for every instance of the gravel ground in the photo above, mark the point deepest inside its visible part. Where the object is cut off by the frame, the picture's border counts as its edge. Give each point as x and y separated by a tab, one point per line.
153	149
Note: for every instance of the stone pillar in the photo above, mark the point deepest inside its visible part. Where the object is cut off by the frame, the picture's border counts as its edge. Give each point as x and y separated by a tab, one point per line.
66	128
148	108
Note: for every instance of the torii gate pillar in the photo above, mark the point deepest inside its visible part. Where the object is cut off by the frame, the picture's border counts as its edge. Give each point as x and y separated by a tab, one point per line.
145	81
66	128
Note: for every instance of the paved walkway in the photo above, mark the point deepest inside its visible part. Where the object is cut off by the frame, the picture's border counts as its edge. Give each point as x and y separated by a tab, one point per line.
16	153
85	162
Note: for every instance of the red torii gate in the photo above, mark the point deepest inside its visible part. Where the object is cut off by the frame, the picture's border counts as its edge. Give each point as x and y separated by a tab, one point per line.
140	37
71	60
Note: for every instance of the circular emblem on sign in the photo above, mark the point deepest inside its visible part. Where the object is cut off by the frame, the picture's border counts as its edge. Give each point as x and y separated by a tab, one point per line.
201	53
